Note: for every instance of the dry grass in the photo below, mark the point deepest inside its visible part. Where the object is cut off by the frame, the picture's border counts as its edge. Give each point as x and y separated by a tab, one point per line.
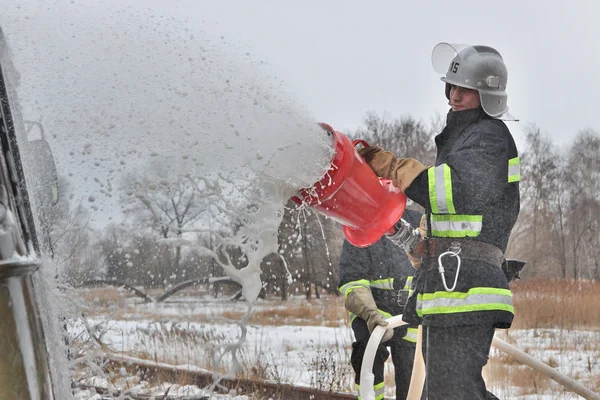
104	297
119	304
563	306
527	380
553	303
328	312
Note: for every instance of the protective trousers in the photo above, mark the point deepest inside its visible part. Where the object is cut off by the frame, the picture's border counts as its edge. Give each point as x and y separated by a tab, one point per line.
454	358
403	354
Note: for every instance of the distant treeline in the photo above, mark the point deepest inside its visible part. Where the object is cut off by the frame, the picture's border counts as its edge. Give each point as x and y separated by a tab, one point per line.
557	231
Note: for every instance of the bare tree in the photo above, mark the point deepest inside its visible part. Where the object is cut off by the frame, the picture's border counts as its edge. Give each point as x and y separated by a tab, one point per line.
112	243
540	172
584	179
67	238
169	206
405	137
310	243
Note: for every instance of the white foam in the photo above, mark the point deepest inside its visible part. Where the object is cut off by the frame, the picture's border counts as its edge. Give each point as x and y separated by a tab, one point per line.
121	89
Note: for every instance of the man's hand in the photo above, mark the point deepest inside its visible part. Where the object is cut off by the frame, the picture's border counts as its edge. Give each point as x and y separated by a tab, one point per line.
360	302
377	320
402	171
368	153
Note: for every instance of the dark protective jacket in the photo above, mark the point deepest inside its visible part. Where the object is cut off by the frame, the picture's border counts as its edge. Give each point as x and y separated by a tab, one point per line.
472	193
385	270
382	267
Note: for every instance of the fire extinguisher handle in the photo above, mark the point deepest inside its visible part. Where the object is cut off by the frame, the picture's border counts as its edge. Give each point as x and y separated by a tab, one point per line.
359	141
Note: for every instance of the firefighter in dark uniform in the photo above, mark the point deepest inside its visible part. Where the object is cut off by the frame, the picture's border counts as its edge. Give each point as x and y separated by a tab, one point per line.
375	282
471	198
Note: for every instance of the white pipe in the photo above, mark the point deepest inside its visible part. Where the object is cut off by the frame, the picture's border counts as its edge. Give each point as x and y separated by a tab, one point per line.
417	378
367	379
418	375
550	372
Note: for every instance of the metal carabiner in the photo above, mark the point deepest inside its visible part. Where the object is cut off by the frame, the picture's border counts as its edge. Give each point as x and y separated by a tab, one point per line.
441	268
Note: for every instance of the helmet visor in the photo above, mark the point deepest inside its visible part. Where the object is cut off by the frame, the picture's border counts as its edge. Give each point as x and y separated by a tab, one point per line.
444	53
446	57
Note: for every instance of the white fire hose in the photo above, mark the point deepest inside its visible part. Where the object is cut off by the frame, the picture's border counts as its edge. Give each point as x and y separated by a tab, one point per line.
367	379
418	375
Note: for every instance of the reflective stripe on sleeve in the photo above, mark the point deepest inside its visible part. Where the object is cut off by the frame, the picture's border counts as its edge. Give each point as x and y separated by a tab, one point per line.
384	314
514	170
455	225
440	189
346	288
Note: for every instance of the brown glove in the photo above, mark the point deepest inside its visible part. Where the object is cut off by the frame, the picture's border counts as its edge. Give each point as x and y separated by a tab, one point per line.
415	259
360	302
402	171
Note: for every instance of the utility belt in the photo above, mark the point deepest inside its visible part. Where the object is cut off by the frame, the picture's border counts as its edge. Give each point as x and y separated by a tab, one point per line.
468	250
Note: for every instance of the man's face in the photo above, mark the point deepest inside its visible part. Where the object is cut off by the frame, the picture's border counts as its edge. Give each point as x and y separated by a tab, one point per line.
463	99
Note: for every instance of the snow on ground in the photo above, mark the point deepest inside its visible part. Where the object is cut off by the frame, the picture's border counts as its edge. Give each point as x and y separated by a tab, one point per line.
174	391
289	351
575	353
295	354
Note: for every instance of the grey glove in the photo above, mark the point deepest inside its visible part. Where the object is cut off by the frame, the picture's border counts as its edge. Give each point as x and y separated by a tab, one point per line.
360	302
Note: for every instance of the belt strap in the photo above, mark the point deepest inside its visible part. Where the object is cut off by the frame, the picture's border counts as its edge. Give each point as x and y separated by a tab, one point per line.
467	249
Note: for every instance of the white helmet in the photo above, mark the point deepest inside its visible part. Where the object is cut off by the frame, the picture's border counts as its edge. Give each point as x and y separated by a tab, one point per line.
475	67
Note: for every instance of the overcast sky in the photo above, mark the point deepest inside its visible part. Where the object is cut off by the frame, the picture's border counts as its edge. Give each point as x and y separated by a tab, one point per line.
342	58
338	58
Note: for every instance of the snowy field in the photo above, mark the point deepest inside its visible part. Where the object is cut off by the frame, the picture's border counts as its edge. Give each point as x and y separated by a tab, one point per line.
313	351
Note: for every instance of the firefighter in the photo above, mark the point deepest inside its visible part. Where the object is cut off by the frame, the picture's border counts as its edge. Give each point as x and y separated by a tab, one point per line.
374	281
471	198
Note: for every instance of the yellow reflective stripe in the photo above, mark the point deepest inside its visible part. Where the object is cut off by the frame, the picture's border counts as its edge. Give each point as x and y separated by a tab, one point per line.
446	225
514	170
411	335
432	190
409	280
469	308
448	186
350	286
383	314
379	390
476	299
385	284
461	295
440	189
